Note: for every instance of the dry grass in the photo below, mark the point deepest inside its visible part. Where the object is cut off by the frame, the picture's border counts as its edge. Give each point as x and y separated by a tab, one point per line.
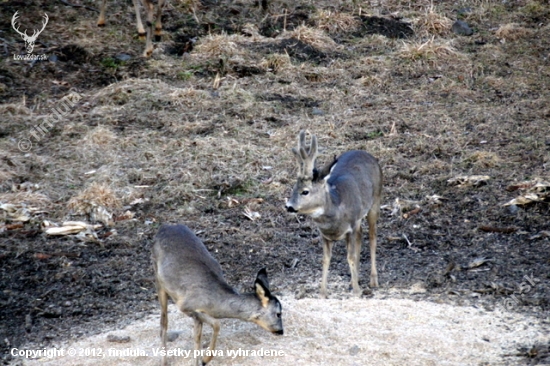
314	37
512	32
220	46
485	159
276	62
430	50
29	198
334	22
15	109
100	136
96	194
432	23
188	4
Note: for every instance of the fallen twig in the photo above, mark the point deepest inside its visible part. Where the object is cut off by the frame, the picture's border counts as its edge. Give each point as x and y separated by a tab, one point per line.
492	229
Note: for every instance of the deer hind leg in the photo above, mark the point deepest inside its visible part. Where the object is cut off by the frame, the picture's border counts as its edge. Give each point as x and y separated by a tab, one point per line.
353	246
163	299
141	31
372	218
101	19
215	324
158	23
327	254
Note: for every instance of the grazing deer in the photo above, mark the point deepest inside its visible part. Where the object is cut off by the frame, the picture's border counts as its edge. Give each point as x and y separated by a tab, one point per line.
185	271
29	40
149	10
337	198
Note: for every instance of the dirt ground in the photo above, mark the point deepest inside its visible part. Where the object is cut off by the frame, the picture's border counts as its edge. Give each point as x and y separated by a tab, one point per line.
201	132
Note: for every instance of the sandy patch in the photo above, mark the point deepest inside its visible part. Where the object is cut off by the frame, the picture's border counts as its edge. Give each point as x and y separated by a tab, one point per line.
334	332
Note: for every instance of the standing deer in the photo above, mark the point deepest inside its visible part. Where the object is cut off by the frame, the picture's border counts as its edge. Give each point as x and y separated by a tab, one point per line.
185	271
149	10
29	40
337	198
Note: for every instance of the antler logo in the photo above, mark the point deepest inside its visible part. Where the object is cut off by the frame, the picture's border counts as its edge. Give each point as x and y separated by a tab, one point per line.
29	40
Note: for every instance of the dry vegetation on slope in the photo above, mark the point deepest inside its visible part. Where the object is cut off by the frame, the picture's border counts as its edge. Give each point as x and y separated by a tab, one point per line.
201	134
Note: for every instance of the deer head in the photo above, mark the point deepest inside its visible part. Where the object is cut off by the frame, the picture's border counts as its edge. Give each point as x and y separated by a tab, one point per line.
309	193
29	40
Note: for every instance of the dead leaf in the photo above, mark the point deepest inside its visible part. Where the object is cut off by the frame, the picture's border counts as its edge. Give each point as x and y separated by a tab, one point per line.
71	227
469	180
435	199
65	230
252	215
100	214
536	190
411	213
522	185
13	226
525	199
128	215
542	234
477	262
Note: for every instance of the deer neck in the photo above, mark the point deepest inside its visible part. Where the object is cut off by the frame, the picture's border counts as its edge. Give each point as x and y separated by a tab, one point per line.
331	208
235	305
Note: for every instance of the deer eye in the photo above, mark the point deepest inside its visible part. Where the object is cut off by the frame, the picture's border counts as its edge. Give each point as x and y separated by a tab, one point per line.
305	192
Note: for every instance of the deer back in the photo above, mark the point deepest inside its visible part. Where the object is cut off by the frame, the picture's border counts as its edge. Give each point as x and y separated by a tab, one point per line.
354	181
183	263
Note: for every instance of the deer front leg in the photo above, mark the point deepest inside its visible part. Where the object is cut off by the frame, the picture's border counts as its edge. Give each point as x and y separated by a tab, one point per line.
148	5
158	23
327	254
139	24
215	331
197	334
352	247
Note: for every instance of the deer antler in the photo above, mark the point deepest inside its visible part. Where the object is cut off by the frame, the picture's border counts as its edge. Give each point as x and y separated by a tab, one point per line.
306	159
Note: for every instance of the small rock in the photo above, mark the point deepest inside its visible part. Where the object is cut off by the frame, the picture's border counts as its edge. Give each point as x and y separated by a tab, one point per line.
28	322
53	58
52	312
317	112
463	11
354	350
123	57
462	28
118	339
300	293
419	287
171	336
513	209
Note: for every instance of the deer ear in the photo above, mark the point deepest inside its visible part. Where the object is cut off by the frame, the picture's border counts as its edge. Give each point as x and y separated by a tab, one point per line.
325	172
262	278
261	286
